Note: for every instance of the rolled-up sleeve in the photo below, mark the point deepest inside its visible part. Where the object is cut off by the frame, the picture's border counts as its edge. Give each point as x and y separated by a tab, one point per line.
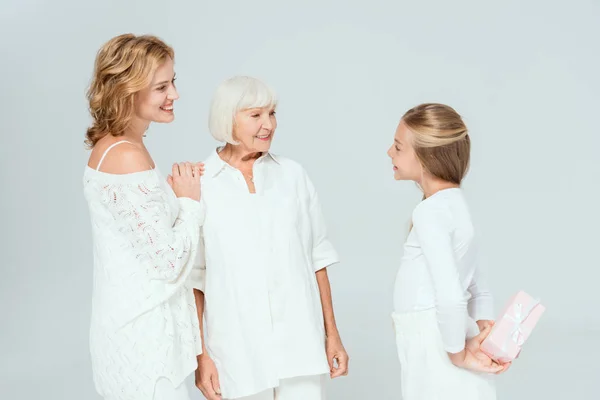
197	276
323	252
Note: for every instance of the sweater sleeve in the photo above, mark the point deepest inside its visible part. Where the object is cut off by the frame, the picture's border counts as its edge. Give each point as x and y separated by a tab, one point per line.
142	215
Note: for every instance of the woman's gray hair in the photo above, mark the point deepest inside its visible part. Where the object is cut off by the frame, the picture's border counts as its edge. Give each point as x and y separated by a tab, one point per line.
234	95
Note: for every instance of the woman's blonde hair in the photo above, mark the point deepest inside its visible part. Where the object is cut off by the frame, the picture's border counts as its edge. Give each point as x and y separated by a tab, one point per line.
440	140
124	66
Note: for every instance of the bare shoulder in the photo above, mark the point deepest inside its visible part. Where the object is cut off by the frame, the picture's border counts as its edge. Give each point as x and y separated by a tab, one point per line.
124	158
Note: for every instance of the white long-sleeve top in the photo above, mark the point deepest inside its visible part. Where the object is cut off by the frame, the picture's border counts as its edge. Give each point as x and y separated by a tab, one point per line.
439	269
258	259
144	323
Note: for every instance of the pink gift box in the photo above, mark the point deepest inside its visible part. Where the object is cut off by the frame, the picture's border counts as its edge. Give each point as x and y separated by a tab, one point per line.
513	328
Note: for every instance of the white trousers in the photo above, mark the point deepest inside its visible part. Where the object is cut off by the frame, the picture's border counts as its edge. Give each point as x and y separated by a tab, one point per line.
164	390
299	388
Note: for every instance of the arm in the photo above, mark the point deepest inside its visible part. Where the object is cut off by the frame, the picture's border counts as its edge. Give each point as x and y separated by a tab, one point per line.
141	213
331	330
481	303
207	376
333	347
433	228
324	255
199	297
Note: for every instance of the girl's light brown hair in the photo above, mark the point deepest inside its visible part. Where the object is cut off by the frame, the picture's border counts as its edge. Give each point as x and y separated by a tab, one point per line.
124	66
440	140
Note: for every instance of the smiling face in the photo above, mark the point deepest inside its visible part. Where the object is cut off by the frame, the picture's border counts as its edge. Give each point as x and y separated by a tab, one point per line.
254	128
406	164
155	102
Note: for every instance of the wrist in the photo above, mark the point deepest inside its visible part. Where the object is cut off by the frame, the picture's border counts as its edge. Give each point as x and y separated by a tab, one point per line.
202	356
458	359
332	334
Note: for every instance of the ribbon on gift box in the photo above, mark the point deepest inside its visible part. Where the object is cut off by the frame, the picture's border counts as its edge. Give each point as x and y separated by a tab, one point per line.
517	317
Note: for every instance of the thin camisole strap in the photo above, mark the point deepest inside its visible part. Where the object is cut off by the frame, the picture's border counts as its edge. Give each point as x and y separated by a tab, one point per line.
107	150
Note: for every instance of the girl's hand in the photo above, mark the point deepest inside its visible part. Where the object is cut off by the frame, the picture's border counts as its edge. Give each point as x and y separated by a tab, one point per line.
485	323
473	359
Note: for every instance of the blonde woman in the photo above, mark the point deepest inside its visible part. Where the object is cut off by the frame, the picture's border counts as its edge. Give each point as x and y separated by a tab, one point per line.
270	327
442	308
144	334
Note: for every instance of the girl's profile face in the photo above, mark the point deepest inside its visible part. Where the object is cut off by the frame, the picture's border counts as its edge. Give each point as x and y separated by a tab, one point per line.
406	165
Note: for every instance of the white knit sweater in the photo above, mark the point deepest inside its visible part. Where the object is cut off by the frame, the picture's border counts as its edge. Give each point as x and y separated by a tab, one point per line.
144	323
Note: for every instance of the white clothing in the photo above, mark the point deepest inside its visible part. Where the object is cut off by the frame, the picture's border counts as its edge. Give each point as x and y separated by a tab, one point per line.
298	388
439	269
165	390
144	323
426	370
258	258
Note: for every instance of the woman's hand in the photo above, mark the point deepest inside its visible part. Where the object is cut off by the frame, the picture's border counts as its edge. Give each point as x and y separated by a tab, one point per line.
336	354
185	180
207	378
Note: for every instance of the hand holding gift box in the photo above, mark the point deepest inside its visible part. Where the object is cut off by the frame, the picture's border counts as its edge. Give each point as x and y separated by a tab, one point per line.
513	328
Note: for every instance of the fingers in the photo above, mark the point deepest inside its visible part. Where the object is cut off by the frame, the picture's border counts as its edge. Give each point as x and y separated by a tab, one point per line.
342	368
185	169
505	368
343	364
216	386
188	169
484	323
197	169
170	180
481	366
200	386
482	356
492	369
207	390
334	371
483	334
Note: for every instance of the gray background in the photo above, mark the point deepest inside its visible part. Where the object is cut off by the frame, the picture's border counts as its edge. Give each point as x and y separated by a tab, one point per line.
523	73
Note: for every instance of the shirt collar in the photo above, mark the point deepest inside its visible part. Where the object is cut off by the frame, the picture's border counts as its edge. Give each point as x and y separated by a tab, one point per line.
214	165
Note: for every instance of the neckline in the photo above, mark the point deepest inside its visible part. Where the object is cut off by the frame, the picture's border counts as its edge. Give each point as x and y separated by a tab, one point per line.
441	191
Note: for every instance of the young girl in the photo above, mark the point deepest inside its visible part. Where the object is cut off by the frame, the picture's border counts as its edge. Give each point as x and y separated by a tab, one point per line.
442	310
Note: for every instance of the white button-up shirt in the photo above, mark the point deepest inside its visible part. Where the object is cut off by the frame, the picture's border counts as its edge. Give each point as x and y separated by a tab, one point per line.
256	266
